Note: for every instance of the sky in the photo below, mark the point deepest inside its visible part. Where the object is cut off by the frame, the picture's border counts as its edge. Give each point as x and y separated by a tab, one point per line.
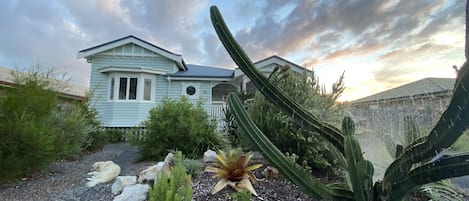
379	44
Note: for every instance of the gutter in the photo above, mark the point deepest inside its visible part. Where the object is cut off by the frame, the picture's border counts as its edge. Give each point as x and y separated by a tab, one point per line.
169	85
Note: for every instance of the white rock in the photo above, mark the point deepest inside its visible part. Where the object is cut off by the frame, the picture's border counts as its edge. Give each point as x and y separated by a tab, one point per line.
168	159
137	192
121	182
150	173
209	156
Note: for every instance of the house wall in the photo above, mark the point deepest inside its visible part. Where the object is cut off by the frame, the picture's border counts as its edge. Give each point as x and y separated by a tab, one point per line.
387	117
204	92
124	114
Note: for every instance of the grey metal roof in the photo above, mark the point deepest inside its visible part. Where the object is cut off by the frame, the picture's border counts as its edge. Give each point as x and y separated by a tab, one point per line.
421	87
204	71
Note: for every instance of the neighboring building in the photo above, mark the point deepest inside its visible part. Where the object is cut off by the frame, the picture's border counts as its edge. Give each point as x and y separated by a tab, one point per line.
66	91
129	76
425	99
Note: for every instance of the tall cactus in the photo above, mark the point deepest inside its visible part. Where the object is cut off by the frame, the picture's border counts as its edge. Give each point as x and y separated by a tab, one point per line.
407	172
272	92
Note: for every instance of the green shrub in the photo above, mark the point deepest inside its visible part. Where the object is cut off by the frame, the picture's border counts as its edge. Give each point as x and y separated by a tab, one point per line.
178	125
290	138
36	129
177	187
193	167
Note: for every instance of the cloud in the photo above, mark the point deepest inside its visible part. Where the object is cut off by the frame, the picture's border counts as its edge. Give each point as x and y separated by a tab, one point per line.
396	33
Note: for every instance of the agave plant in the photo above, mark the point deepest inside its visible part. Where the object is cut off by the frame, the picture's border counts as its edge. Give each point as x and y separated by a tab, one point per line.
412	169
233	170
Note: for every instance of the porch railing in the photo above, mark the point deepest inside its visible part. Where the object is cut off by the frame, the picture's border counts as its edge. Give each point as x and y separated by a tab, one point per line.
217	113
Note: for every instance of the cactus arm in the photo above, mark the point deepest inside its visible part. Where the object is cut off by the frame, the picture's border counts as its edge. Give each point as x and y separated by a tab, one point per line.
431	172
450	126
273	93
358	169
291	170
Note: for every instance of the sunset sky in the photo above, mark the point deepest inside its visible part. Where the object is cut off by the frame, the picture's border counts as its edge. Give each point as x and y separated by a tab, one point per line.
379	44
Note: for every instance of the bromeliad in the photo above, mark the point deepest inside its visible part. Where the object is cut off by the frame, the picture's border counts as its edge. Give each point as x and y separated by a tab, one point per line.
233	170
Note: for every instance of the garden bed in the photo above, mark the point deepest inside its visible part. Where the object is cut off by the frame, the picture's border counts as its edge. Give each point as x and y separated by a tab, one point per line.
65	180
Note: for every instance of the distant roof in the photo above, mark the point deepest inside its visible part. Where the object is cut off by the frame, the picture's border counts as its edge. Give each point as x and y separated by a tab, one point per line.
421	87
199	71
132	39
66	89
281	58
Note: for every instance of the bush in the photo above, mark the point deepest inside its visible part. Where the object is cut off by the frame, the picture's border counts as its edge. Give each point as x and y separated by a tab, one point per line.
35	129
311	151
177	125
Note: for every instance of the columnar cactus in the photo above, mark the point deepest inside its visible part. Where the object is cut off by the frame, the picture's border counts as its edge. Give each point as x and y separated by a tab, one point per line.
410	170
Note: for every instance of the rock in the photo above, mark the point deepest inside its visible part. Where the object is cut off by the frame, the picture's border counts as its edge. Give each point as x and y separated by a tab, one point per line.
168	159
270	172
137	192
150	173
209	156
121	182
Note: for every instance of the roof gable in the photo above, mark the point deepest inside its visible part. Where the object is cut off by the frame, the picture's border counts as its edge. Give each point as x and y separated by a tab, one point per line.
126	45
421	87
275	60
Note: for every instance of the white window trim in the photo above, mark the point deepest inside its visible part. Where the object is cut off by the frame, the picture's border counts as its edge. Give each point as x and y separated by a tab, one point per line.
140	87
197	89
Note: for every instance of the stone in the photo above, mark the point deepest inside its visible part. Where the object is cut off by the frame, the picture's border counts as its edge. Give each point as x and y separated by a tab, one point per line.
151	172
270	172
121	182
137	192
209	156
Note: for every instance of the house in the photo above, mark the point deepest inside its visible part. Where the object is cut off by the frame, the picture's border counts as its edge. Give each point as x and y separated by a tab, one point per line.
129	76
66	91
424	99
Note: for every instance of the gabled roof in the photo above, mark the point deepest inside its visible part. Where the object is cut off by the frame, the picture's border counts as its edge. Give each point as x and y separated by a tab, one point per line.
199	71
132	39
426	86
275	60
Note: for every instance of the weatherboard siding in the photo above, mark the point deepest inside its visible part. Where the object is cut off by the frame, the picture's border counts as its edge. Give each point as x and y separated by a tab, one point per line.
130	113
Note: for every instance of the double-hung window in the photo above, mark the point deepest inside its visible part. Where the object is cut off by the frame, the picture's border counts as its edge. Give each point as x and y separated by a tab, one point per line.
131	87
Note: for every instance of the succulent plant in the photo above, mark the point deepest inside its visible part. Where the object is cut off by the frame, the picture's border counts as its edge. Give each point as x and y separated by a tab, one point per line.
233	169
410	170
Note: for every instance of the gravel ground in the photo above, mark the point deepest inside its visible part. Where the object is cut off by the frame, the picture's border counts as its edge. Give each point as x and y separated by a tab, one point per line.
66	180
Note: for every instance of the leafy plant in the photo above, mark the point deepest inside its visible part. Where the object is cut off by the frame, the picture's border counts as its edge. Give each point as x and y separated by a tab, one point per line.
409	171
281	129
193	167
178	125
241	196
36	128
178	187
233	170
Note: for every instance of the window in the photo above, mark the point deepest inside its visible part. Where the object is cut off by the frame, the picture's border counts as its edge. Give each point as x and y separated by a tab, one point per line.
133	87
147	89
111	89
191	90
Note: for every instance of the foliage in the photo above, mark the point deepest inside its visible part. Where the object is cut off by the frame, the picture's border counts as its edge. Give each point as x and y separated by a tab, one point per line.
178	125
36	128
177	187
241	196
193	167
441	190
289	137
233	170
409	171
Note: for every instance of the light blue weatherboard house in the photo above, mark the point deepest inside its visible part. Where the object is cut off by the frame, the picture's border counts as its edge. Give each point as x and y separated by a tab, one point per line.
129	76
